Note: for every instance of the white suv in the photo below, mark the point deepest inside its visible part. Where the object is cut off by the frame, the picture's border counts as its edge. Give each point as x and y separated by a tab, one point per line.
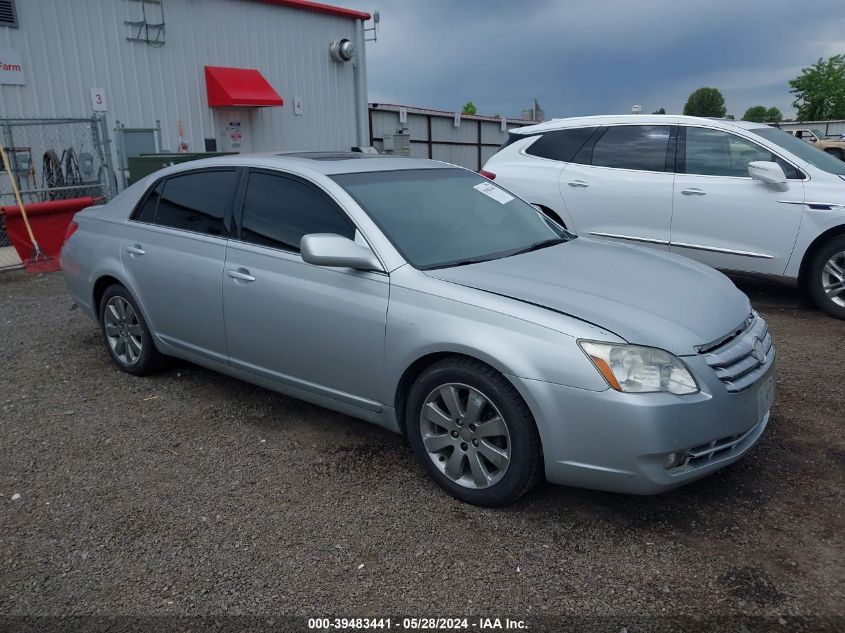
742	197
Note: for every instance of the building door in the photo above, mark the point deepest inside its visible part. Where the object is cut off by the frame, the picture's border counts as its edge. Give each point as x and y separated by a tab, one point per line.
234	131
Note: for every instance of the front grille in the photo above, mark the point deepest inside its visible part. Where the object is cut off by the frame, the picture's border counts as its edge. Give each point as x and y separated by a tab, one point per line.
736	358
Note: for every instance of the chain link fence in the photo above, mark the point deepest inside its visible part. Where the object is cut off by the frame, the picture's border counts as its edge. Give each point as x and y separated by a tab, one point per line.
53	159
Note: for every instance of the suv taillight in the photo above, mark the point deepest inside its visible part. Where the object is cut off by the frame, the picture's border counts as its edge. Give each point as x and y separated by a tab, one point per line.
487	174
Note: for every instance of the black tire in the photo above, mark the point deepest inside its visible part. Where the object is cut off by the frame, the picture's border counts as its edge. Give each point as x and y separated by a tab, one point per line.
836	152
150	360
525	467
815	279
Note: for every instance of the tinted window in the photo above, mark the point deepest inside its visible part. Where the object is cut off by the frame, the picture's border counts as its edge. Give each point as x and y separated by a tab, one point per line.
716	153
640	147
513	138
804	151
442	217
279	211
561	144
147	211
197	201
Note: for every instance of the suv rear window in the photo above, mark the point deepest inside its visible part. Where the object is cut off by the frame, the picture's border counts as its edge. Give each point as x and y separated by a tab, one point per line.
561	145
640	147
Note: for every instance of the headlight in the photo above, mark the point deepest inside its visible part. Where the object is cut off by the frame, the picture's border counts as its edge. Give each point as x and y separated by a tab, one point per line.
635	369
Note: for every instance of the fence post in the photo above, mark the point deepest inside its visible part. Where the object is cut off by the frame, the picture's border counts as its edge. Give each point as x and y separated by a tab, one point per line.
111	177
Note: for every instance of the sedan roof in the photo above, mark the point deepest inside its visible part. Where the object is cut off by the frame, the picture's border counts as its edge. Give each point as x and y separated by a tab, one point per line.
326	163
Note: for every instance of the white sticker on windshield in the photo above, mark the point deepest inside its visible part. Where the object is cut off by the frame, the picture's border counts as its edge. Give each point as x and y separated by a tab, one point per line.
492	191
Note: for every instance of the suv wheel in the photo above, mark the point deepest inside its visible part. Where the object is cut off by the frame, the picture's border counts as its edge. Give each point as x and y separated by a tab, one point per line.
826	278
126	335
473	433
838	153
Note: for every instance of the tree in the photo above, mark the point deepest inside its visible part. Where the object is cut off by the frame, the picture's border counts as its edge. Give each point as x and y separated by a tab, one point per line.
469	108
660	111
773	115
757	114
706	102
820	90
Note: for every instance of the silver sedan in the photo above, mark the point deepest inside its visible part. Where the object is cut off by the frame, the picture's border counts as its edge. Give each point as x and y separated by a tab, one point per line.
426	299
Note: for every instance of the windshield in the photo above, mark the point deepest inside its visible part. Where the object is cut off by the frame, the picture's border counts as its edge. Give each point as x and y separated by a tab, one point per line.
802	149
447	217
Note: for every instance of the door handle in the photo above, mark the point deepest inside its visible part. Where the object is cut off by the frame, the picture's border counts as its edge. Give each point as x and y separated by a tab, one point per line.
694	191
578	183
241	274
136	250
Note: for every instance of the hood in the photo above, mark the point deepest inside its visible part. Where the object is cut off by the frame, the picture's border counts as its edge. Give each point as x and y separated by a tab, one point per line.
647	297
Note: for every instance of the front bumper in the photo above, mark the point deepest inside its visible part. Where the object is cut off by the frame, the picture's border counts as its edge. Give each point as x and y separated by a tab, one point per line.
620	442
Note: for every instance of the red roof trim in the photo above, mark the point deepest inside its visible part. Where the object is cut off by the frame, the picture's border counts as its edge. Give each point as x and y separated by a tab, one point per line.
319	7
239	87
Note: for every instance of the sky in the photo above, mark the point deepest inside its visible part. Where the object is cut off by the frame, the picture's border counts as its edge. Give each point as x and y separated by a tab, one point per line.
580	57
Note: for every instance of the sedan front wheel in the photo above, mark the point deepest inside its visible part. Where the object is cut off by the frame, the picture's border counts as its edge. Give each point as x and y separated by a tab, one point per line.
473	433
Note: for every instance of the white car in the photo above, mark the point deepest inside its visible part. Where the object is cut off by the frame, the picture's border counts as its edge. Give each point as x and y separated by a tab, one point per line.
741	197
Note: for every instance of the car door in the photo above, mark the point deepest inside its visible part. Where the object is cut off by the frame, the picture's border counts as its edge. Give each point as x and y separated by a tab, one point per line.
173	252
619	185
310	327
722	216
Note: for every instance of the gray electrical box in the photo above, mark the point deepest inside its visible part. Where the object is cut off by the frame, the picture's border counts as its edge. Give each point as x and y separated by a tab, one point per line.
398	143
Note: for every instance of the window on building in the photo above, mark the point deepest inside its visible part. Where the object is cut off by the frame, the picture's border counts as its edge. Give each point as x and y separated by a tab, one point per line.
641	147
279	211
710	152
197	201
561	145
8	15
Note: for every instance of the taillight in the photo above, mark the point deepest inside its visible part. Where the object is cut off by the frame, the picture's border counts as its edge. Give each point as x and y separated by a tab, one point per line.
487	174
71	229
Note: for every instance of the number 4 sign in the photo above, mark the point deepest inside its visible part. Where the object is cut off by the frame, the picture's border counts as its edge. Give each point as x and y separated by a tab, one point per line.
98	100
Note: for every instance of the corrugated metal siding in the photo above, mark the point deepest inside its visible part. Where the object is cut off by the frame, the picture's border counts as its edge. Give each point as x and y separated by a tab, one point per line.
444	134
69	47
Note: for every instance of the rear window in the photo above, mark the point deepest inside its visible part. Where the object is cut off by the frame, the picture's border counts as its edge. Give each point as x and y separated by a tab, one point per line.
640	147
561	145
194	201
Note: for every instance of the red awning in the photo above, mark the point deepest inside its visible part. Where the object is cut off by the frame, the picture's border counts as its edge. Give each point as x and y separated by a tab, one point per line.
239	87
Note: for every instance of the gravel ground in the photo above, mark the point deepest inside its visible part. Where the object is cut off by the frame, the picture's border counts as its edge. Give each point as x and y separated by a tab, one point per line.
190	493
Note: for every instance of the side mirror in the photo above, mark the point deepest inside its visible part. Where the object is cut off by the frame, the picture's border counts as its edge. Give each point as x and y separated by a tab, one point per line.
328	249
767	171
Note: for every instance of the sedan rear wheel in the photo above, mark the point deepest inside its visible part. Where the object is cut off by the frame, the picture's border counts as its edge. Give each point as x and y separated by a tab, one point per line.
126	334
473	433
123	330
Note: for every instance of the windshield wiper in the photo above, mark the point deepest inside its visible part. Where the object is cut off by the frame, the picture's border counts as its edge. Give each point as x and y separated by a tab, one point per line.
460	262
536	246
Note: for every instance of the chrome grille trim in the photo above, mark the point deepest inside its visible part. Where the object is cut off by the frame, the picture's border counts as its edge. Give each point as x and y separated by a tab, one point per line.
733	359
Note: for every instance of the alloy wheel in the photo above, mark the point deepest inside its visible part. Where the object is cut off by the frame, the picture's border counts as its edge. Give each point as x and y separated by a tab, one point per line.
123	330
833	279
465	435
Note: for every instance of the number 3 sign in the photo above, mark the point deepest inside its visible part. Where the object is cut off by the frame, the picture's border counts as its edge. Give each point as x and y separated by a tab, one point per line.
98	100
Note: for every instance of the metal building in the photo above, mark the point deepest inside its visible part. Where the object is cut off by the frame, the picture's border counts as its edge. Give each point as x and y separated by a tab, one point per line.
828	128
195	75
463	139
